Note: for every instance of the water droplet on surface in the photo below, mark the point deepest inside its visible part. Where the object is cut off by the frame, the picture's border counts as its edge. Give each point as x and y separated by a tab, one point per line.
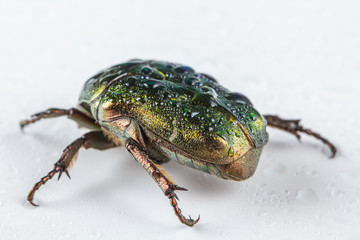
269	193
13	169
275	170
96	234
270	222
307	197
331	186
353	237
350	178
336	193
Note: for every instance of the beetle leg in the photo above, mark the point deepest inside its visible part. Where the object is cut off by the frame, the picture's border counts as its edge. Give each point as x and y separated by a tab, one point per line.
293	127
161	178
72	113
94	139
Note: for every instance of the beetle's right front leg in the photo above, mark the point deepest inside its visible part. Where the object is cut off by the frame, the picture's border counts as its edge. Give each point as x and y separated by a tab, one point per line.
71	113
160	178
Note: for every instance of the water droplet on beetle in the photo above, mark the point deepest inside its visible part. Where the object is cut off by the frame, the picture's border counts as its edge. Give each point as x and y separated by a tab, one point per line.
252	116
220	134
213	103
146	70
184	69
193	114
191	81
209	77
231	153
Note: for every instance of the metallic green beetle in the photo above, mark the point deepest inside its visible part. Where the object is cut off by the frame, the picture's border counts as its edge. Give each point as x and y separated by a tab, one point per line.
161	111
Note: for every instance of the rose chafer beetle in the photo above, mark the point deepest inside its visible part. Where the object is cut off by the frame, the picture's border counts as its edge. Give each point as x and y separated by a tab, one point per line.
161	111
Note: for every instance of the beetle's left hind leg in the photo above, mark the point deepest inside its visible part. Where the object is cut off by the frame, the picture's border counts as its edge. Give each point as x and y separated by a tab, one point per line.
95	139
159	175
293	127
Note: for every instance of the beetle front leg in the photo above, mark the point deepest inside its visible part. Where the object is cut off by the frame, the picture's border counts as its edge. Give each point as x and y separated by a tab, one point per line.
94	139
293	127
72	113
160	178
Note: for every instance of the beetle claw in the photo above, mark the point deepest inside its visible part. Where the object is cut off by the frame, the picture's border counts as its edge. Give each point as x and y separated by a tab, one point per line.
187	221
31	202
22	125
176	187
191	222
66	172
59	175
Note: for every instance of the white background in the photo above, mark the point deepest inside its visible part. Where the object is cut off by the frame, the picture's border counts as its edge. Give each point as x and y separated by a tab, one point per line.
299	59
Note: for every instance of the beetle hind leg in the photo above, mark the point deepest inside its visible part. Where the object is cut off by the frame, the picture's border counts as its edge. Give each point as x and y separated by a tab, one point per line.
94	139
293	127
161	178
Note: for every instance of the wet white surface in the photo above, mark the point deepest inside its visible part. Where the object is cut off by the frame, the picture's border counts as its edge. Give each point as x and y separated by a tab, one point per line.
297	59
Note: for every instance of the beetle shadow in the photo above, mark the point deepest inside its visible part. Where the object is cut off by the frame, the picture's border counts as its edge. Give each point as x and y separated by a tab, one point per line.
44	138
202	183
128	170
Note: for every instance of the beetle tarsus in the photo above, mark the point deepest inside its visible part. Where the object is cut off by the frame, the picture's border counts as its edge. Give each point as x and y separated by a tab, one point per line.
294	127
187	221
94	139
160	178
49	113
37	185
